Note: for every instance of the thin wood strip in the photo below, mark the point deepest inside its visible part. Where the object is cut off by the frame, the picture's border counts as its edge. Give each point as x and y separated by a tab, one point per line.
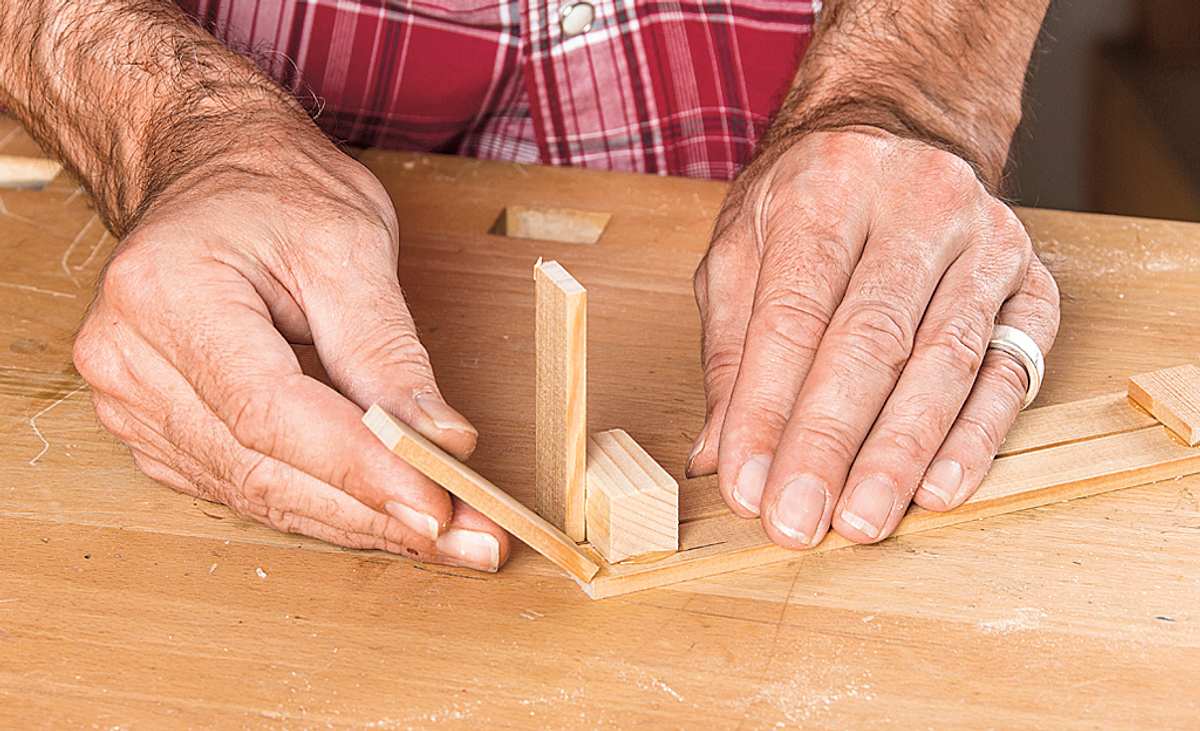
1074	421
468	485
1055	474
560	418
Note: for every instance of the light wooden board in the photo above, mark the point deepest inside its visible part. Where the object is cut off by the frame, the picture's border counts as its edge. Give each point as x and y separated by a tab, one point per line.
1093	598
560	419
1172	395
1057	469
632	502
479	493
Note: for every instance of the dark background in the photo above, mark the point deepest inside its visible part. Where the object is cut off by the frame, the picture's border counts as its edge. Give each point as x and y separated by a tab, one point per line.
1112	117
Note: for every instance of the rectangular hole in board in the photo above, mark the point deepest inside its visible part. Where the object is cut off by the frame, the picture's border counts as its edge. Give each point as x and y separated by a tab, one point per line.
564	225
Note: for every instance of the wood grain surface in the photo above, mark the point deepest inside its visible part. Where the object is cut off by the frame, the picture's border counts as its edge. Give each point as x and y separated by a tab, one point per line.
125	604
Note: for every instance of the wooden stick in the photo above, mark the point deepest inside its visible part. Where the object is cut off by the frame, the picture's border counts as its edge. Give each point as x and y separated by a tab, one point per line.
561	398
468	485
1172	396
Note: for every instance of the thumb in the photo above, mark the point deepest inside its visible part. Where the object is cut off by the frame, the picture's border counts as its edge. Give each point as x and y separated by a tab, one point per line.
368	343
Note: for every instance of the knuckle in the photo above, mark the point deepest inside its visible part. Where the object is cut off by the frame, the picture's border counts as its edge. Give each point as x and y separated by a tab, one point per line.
389	342
915	427
981	432
124	282
112	419
255	416
1004	224
827	435
876	336
792	321
959	343
254	480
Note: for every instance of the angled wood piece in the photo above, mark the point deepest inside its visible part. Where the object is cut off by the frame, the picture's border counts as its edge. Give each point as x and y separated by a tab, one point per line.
1172	396
1094	448
632	502
467	484
561	398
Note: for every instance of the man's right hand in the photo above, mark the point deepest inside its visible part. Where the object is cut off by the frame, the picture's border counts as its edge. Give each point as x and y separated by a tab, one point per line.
240	283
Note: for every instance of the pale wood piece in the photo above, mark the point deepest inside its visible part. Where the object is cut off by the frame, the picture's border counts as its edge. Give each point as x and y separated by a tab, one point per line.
560	419
1093	598
1048	473
632	502
468	485
19	171
1172	396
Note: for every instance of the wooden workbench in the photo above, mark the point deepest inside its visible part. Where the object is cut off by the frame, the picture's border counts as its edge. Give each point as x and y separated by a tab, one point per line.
125	604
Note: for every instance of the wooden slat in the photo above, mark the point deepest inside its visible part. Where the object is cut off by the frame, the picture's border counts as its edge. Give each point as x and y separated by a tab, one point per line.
468	485
560	418
1074	421
1044	476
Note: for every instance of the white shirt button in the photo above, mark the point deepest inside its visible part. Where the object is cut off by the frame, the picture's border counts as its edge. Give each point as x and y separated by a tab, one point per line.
577	18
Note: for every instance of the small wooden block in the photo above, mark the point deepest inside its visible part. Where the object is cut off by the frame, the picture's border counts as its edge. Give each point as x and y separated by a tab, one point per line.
632	503
1172	396
560	419
468	485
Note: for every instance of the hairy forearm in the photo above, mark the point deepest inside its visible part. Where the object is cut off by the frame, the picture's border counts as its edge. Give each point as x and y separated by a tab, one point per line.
949	72
132	96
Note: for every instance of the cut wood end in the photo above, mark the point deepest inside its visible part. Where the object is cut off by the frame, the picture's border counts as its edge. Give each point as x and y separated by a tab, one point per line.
1172	396
383	426
558	276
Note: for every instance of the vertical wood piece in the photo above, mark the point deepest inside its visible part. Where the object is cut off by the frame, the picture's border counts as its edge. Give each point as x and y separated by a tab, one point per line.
632	503
561	395
1172	396
468	485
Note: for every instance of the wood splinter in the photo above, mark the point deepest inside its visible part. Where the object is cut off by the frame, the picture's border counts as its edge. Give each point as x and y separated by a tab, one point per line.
632	503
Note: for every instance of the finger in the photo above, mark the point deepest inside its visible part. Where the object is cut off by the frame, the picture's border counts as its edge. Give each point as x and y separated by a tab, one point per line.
949	348
472	540
964	457
368	343
856	367
291	501
806	267
244	373
722	283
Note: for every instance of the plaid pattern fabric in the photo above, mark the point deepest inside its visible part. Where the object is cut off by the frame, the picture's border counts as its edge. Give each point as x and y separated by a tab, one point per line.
680	87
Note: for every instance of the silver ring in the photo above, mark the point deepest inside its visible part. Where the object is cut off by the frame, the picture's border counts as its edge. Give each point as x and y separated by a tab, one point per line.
1016	343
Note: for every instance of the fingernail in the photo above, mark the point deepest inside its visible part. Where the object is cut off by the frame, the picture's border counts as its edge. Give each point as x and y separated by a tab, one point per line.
870	505
423	523
800	508
943	480
440	413
470	549
697	448
751	480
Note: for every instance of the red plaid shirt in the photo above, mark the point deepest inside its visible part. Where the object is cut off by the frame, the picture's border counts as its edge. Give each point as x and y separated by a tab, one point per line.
680	87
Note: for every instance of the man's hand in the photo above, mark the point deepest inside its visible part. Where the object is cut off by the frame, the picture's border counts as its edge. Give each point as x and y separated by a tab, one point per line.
858	268
252	311
847	300
190	350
